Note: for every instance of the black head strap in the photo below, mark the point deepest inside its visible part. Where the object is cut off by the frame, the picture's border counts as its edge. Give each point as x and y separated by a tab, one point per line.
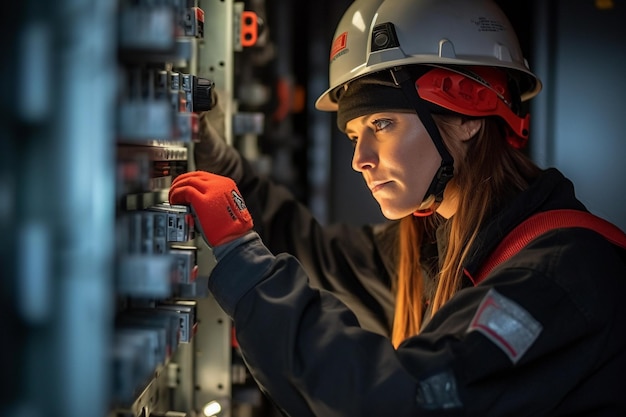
402	78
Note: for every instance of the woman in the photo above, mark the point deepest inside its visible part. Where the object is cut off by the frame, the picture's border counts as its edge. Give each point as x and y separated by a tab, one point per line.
430	93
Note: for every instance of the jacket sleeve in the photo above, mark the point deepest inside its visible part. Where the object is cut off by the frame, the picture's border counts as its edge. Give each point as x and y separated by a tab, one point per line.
529	337
355	263
303	346
307	352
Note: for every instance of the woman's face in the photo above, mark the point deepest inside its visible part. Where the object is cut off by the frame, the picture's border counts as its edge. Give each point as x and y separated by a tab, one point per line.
396	157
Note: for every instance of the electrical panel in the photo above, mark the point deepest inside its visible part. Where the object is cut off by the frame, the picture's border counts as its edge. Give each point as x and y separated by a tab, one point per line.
104	283
171	344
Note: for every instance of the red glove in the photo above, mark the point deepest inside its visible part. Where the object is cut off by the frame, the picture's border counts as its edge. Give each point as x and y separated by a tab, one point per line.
217	203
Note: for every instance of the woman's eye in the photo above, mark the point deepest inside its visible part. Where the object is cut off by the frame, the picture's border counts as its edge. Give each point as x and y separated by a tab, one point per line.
380	124
353	140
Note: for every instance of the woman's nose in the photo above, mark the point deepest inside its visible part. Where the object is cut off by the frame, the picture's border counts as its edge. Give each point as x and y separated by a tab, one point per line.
364	157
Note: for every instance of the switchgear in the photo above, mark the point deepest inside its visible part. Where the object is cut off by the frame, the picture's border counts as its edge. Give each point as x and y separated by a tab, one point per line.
105	302
158	332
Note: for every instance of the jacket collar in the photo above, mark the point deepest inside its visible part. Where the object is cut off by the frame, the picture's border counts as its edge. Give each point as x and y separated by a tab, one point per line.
551	190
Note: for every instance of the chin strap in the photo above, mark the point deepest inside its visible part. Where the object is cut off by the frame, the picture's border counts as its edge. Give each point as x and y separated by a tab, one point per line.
403	79
424	213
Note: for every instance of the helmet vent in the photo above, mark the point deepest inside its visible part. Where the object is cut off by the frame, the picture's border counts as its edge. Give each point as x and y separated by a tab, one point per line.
446	49
502	53
384	37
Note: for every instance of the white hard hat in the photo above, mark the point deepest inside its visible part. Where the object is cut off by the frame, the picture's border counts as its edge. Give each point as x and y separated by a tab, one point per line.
374	35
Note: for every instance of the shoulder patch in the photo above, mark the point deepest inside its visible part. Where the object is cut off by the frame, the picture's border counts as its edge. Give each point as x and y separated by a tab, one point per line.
507	324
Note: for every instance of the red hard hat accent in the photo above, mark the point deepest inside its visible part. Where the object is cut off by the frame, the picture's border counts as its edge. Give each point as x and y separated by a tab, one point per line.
482	91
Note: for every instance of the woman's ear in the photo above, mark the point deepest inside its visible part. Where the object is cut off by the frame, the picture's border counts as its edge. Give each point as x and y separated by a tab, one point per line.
469	128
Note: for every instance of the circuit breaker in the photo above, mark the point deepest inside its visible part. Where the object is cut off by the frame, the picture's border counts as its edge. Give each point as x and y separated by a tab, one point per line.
105	309
171	344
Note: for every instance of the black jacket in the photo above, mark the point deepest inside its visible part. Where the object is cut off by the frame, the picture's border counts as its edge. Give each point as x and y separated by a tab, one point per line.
543	335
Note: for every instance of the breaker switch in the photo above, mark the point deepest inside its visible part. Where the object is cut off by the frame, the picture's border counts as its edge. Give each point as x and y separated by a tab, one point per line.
204	96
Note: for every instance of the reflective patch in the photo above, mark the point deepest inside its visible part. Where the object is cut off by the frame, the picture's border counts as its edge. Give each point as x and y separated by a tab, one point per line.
506	324
438	392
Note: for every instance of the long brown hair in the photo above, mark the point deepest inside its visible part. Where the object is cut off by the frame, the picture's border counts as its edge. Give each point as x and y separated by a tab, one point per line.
490	171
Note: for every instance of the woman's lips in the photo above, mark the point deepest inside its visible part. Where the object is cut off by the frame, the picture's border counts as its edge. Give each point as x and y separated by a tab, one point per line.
378	186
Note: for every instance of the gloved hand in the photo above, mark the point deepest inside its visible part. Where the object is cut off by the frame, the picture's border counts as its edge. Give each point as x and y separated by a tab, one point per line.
217	204
212	153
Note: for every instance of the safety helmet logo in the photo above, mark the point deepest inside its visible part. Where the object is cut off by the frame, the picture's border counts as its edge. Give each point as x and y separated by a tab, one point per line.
339	44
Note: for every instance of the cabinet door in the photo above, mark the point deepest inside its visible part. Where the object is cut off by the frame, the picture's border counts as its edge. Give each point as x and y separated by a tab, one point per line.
579	52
